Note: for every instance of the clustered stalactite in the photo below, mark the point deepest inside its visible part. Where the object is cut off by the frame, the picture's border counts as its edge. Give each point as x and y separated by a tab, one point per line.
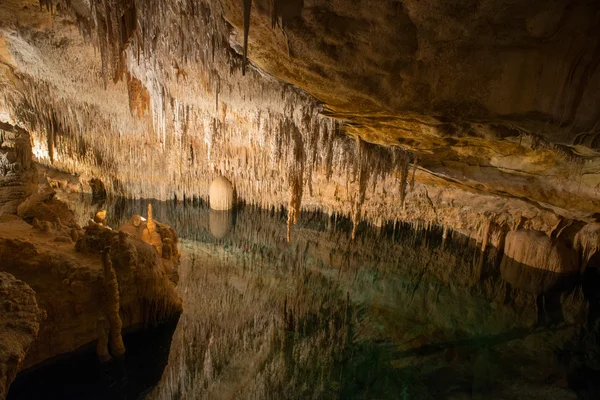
247	12
205	120
115	22
374	163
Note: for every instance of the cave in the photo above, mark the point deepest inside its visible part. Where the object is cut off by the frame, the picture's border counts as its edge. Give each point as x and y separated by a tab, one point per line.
299	199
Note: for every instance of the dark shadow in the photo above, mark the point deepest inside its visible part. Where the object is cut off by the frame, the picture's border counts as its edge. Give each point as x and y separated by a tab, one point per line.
80	375
546	286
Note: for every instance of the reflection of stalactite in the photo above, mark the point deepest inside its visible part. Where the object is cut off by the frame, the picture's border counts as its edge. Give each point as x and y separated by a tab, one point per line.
296	177
362	178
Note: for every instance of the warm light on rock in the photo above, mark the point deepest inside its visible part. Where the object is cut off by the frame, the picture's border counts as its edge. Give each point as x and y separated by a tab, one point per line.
220	194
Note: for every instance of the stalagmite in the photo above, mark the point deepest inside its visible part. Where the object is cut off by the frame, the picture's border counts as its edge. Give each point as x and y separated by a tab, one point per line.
102	350
220	194
537	250
149	234
112	305
100	217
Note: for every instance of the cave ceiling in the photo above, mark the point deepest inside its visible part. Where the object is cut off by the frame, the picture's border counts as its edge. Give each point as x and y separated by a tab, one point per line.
340	105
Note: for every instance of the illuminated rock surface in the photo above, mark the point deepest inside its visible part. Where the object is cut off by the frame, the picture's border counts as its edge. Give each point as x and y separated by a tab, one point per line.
220	194
496	116
476	121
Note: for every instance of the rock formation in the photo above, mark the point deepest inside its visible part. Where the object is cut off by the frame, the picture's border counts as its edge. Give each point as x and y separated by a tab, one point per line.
475	118
220	194
411	82
112	307
82	294
537	250
20	319
149	234
542	266
100	217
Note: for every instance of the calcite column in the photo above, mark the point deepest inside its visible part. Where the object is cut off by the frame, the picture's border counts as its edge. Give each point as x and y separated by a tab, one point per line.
111	289
149	235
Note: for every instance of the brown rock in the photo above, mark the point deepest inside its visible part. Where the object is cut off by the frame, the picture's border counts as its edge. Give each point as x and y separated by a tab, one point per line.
100	217
20	320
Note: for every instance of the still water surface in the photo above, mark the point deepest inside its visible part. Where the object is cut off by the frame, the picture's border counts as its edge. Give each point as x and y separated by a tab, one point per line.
397	314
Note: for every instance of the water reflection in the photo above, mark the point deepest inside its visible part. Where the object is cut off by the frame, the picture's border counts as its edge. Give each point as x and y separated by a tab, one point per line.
395	314
220	223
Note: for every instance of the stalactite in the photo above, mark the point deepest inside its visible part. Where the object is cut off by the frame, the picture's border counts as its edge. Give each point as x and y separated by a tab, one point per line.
271	139
48	4
412	179
274	13
296	176
247	12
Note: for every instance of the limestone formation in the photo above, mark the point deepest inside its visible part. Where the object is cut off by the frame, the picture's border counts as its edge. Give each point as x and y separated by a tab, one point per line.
100	217
70	285
220	194
537	250
136	220
587	242
102	350
502	138
149	234
112	305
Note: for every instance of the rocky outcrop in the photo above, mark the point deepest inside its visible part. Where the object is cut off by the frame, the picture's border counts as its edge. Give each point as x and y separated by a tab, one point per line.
537	250
76	294
160	236
20	319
